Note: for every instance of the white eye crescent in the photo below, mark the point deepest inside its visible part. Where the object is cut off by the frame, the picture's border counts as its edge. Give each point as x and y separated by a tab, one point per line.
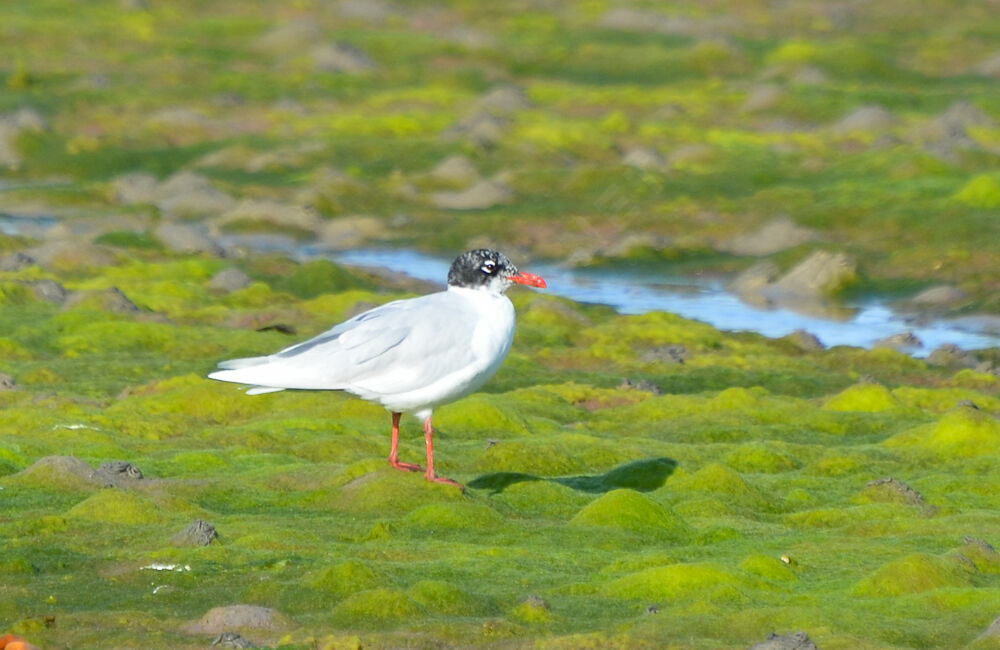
488	266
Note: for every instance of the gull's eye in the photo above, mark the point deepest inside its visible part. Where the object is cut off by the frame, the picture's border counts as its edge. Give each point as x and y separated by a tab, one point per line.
489	266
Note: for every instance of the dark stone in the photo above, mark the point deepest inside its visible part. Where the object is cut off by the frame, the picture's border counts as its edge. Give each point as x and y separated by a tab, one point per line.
893	490
641	384
231	640
116	473
200	533
795	641
667	354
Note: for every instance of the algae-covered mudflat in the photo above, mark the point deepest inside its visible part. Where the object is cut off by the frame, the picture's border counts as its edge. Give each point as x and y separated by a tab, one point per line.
636	481
849	493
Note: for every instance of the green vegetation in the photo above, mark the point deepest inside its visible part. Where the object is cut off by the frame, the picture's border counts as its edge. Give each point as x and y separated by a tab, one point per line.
759	507
738	489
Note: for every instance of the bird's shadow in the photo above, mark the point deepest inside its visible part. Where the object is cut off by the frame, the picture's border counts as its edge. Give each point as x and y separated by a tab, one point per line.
641	475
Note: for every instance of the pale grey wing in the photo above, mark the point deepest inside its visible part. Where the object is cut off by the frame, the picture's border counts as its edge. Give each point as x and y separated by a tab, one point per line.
400	346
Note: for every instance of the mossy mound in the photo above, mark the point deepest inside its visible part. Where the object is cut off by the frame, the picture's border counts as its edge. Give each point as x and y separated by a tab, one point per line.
454	516
117	506
914	574
869	398
545	458
678	582
67	472
543	498
479	415
375	608
532	610
392	492
318	277
962	433
722	481
445	598
760	458
345	578
631	511
769	568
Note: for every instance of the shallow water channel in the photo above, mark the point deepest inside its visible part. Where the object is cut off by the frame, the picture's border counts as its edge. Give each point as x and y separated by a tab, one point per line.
860	323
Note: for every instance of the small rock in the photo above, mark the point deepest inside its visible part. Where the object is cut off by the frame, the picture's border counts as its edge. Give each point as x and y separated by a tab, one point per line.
65	255
113	300
772	237
805	341
236	617
482	129
231	640
641	384
950	355
135	188
754	279
939	296
186	238
762	98
16	261
652	609
503	100
900	341
866	118
199	533
7	382
644	159
49	290
282	215
341	57
895	491
677	353
350	232
796	641
229	280
187	194
455	170
117	473
482	195
819	274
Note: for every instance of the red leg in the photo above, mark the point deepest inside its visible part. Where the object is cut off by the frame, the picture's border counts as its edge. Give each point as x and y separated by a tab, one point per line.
431	474
394	453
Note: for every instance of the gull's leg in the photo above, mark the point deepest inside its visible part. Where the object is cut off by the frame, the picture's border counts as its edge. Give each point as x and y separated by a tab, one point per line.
431	474
394	453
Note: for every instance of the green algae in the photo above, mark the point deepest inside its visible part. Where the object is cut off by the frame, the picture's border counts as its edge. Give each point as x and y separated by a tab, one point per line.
115	506
375	608
961	433
630	511
445	598
466	517
345	578
760	458
915	573
870	398
679	582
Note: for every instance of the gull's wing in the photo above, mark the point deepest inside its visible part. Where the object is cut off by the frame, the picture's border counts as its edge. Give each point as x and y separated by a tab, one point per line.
397	347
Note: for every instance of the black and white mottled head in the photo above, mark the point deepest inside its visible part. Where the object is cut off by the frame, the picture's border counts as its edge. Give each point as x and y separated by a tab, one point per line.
489	270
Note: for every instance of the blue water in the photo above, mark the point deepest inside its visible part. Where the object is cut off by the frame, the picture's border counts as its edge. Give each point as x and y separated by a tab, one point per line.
706	300
859	324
